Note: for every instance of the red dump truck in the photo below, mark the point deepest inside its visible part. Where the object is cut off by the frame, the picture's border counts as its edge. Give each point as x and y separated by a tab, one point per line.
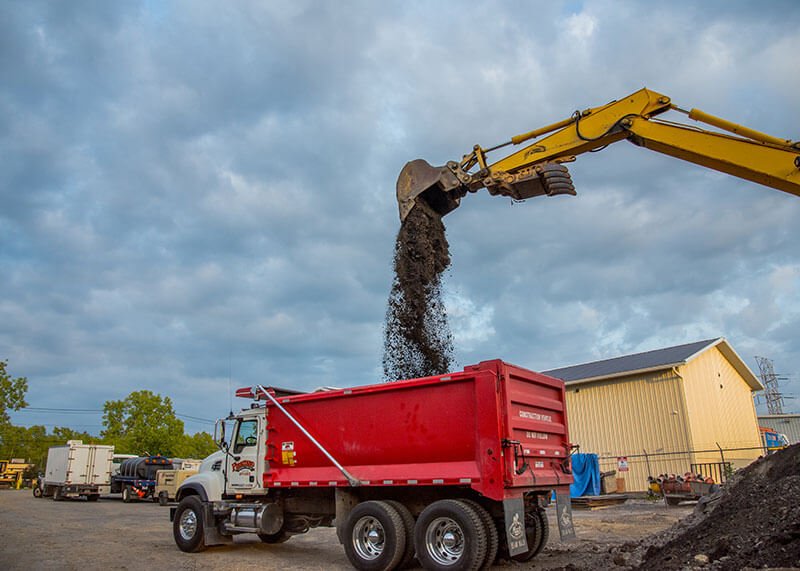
454	469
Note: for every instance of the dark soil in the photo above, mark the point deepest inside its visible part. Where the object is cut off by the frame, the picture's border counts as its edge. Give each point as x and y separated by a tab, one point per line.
417	338
753	522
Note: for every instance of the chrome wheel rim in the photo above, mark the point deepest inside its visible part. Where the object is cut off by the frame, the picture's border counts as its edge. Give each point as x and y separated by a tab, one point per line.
369	538
188	525
444	541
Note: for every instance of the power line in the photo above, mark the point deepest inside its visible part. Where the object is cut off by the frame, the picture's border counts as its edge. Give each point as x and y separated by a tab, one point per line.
46	409
39	409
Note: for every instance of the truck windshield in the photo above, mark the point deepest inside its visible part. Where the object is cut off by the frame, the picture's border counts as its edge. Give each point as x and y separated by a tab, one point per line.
246	436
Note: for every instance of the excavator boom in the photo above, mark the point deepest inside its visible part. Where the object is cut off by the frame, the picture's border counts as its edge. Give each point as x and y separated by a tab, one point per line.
537	169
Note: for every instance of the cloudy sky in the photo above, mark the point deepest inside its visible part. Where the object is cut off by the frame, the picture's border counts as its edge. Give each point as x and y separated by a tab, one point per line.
197	195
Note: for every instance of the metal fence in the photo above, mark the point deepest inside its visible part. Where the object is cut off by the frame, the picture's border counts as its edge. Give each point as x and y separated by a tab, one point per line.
717	463
719	471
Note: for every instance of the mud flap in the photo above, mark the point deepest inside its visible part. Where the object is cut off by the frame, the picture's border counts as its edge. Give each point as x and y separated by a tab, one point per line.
211	534
514	510
564	512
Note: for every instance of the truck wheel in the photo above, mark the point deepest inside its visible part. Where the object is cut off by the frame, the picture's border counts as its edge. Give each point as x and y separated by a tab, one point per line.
37	492
163	498
279	537
93	497
449	535
492	538
375	537
408	524
188	527
537	531
127	495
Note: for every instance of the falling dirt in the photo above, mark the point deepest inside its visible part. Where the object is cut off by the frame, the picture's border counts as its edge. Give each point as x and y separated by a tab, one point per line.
417	338
754	521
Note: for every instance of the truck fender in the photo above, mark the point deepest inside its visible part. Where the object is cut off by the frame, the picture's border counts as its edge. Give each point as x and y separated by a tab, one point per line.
207	485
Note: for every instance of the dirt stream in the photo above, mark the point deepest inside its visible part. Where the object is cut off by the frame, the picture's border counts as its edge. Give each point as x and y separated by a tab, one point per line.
417	338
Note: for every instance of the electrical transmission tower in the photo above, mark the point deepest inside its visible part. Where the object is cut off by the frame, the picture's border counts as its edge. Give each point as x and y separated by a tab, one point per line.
772	393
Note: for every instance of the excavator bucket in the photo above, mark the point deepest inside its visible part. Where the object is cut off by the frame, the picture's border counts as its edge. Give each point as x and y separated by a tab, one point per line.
420	183
439	189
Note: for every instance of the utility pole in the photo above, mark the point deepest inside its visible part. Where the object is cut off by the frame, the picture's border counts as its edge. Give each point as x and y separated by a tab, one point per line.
772	393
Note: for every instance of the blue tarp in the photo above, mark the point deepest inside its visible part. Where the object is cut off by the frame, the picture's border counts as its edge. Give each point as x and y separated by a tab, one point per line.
586	472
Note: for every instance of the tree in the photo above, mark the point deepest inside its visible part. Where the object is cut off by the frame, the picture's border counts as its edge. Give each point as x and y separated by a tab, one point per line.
63	433
143	422
197	445
12	393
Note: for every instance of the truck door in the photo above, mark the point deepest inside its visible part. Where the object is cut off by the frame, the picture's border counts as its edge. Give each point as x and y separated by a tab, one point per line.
243	462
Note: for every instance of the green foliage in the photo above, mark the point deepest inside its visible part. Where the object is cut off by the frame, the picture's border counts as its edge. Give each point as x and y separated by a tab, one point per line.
33	442
142	423
12	393
197	446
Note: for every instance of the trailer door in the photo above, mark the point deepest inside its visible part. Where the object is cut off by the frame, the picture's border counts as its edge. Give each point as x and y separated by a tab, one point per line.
536	446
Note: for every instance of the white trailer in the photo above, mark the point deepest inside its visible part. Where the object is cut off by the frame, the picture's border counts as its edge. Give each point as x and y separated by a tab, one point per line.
78	469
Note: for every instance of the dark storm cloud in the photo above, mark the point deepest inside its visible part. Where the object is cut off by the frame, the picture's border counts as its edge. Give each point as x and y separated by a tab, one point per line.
194	191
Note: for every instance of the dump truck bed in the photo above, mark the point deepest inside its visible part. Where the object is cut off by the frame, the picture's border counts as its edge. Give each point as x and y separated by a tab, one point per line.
495	427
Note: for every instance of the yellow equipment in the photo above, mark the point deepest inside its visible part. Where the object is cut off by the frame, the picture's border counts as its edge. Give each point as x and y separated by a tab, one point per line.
11	472
536	169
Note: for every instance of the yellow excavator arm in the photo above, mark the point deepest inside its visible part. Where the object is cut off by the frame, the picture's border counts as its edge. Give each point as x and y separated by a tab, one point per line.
537	169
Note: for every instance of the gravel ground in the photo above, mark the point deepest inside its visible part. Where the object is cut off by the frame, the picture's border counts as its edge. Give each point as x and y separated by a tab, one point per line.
75	534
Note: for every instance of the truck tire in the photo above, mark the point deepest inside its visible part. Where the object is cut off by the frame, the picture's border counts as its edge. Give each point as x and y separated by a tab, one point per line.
537	531
374	537
127	494
37	492
188	527
408	524
450	536
492	538
93	497
163	498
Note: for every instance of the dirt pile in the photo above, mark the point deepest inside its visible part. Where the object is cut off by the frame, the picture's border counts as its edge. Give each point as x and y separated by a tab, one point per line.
753	522
417	338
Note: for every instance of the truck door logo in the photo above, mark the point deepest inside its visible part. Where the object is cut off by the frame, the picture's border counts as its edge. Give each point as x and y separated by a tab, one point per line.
243	465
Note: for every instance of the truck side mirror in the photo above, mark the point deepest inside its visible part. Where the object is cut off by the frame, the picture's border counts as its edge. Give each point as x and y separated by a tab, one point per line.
219	433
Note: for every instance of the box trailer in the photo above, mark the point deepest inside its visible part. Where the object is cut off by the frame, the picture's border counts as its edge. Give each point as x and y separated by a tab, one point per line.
453	469
77	469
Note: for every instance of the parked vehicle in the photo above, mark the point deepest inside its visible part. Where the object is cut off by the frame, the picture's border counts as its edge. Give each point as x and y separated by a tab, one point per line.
167	483
12	471
116	461
77	469
186	463
451	468
772	440
137	477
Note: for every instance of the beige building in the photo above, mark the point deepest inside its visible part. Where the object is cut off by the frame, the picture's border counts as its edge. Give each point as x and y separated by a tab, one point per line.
665	411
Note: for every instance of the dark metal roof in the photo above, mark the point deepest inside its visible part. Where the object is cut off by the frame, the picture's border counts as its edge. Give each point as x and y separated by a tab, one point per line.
649	360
